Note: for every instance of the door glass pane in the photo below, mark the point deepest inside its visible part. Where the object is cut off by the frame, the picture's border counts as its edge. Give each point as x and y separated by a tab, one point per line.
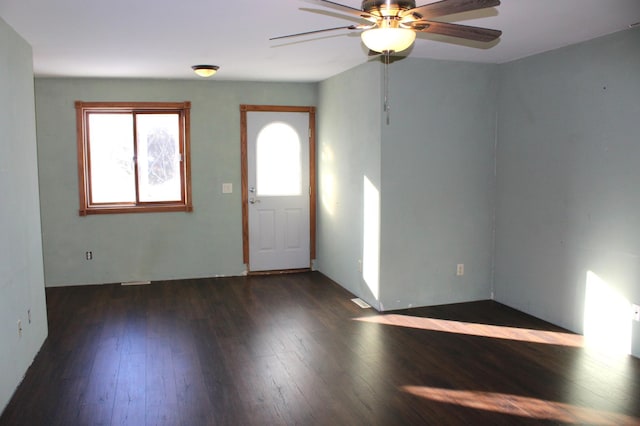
111	158
158	137
278	168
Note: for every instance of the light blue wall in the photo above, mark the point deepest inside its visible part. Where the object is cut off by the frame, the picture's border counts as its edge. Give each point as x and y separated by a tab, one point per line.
568	172
21	273
438	183
432	168
129	247
349	137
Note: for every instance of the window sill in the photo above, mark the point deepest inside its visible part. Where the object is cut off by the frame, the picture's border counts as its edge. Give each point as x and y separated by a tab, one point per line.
135	209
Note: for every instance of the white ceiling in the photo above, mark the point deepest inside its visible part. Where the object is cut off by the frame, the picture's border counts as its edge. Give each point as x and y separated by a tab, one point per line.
163	38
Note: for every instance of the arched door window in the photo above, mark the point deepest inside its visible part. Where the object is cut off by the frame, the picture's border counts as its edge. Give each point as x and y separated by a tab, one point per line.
278	170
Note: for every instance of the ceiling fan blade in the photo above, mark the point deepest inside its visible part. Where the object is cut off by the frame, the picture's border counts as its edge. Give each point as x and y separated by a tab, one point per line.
348	27
336	14
448	7
456	30
350	10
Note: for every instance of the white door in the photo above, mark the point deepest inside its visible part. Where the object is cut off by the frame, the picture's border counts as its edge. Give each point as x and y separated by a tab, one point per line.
278	190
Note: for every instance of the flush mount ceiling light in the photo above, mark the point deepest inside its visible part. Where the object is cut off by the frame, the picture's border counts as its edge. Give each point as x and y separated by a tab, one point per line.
205	70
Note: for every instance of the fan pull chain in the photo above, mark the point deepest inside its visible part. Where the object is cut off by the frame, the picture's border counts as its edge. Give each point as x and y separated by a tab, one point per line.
387	106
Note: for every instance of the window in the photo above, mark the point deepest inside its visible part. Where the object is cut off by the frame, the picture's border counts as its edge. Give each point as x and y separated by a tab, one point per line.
278	163
133	157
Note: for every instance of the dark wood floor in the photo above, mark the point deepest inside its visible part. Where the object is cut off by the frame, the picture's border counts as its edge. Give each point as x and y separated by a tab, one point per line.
294	349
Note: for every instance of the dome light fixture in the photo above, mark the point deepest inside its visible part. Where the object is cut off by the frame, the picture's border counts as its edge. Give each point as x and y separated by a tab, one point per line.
388	39
205	70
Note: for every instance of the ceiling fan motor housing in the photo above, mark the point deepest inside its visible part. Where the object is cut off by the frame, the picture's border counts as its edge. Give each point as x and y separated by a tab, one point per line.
387	7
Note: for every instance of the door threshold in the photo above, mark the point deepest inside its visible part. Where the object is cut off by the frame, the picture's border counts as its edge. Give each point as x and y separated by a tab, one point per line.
280	271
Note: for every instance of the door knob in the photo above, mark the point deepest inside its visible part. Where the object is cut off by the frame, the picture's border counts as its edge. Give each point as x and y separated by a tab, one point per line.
253	200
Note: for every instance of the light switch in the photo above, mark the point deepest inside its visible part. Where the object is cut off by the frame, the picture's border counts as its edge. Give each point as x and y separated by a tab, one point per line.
227	188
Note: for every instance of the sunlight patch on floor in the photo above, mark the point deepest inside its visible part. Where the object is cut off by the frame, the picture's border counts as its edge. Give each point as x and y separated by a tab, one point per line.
476	329
522	406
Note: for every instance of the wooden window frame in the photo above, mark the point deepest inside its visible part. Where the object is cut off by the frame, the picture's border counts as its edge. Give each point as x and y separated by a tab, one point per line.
83	109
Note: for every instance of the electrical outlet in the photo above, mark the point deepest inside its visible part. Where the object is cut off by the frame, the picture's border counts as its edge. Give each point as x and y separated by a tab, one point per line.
635	312
359	265
460	269
88	255
19	328
227	188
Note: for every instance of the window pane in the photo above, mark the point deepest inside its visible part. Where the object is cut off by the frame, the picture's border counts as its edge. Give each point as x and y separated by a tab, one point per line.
159	157
111	158
278	169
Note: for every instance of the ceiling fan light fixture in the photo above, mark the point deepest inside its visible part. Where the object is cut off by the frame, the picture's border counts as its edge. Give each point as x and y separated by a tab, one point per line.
388	39
205	70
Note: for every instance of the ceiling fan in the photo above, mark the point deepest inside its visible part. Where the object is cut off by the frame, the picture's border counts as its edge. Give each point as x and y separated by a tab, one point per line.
391	25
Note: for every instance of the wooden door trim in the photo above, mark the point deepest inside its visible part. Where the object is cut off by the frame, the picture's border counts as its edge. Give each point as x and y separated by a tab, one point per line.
244	169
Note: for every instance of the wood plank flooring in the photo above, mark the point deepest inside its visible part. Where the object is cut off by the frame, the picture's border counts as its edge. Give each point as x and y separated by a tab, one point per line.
293	349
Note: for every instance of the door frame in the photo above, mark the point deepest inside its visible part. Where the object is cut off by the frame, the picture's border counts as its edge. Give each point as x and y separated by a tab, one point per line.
244	169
